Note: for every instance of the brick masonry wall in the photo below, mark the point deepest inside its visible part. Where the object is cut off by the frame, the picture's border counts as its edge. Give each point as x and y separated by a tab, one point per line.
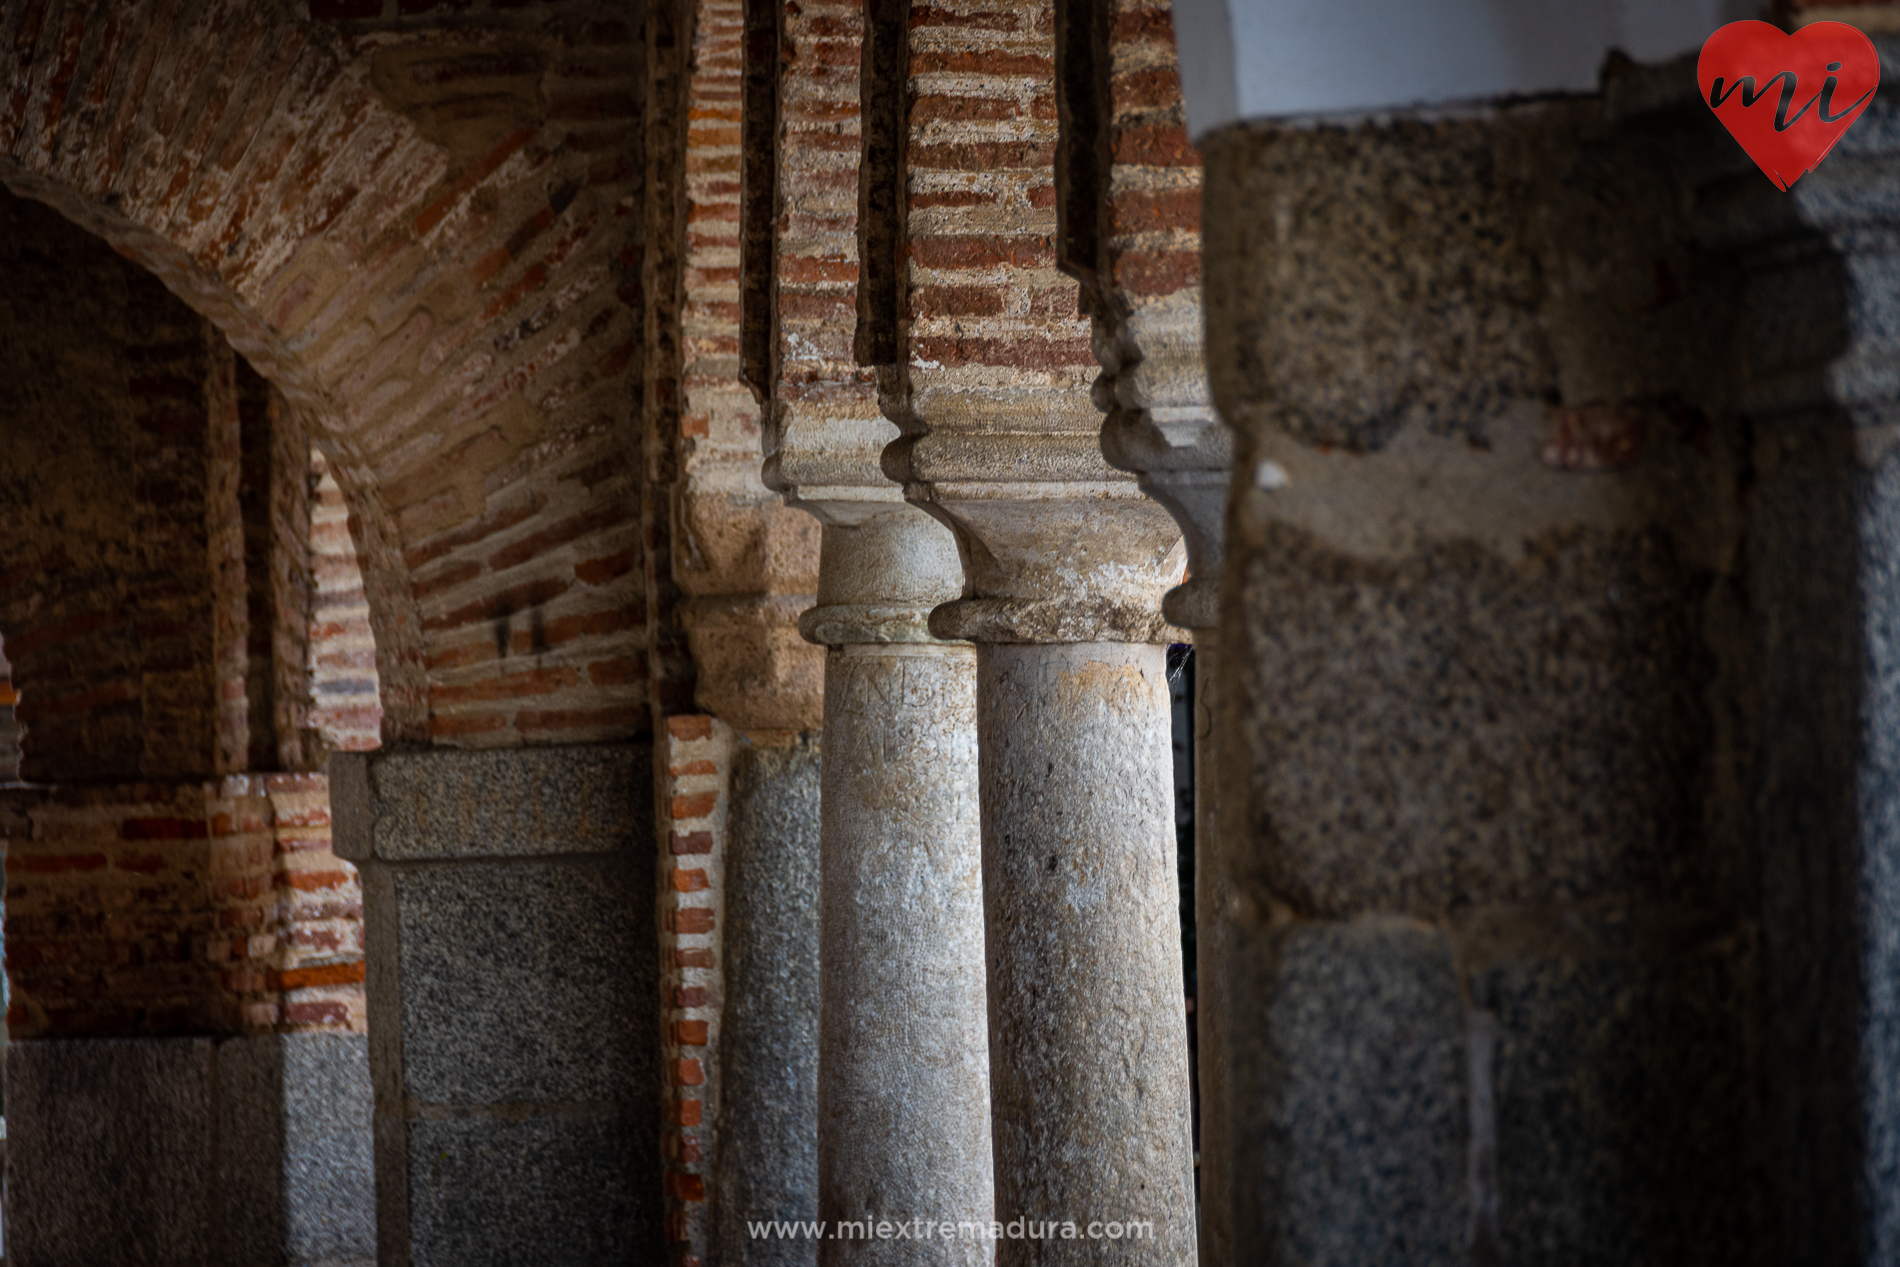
275	499
671	672
746	564
210	907
818	383
9	725
106	582
424	228
990	316
1152	232
694	794
345	708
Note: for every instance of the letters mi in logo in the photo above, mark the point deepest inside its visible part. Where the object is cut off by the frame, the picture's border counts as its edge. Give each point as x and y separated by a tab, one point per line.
1788	98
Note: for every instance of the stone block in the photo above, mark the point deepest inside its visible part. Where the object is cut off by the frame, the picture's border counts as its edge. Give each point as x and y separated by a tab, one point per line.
513	995
1624	1110
516	982
111	1153
546	1190
451	804
1349	1095
192	1151
295	1148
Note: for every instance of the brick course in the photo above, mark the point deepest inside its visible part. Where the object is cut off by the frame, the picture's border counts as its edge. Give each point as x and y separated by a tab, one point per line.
208	907
697	751
746	564
980	218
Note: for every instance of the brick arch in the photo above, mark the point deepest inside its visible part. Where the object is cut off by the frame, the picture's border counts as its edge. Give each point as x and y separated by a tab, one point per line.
426	237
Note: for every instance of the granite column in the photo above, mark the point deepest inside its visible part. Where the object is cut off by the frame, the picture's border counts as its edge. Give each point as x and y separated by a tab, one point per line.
903	1093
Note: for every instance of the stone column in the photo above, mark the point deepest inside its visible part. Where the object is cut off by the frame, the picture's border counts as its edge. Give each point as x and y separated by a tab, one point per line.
1131	233
903	1094
904	1126
986	371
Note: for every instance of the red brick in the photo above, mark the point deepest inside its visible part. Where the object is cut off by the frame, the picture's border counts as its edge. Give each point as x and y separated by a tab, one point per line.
982	156
987	62
692	726
621	718
690	921
692	842
333	1014
311	881
164	829
1145	212
1155	145
1158	272
323	974
53	864
607	568
694	805
983	251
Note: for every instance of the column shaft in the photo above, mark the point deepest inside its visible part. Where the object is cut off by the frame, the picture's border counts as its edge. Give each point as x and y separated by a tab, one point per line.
903	1082
1088	1047
1214	892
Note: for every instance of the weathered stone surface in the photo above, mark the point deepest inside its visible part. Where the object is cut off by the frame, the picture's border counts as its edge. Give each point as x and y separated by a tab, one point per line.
1349	1100
768	1053
420	805
515	983
904	1074
111	1152
1088	1040
513	996
903	1094
1487	684
1428	273
1826	554
238	1151
1624	1122
543	1191
1474	728
295	1157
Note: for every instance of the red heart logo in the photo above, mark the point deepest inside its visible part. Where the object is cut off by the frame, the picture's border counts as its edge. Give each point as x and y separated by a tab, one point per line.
1788	98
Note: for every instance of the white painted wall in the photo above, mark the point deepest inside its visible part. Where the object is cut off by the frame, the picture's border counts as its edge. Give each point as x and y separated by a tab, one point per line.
1256	59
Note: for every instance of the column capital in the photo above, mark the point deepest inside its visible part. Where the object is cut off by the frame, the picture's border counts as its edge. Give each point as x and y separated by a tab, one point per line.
1163	428
1058	546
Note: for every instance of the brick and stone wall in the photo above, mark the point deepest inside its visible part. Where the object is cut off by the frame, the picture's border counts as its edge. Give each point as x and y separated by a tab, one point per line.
985	301
746	563
157	602
9	724
152	909
695	796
